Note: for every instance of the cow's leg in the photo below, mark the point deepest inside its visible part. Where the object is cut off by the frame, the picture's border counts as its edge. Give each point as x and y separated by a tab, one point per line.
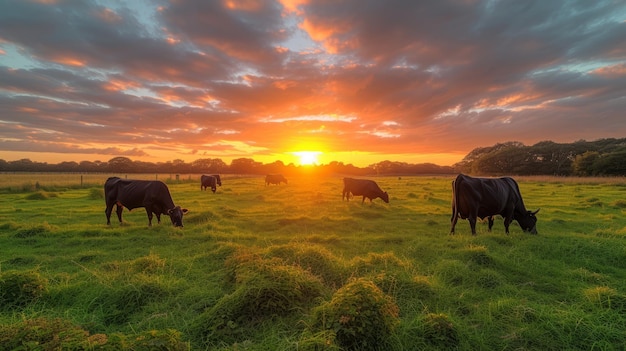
149	217
158	216
107	212
363	201
119	209
507	221
490	220
453	220
472	221
508	218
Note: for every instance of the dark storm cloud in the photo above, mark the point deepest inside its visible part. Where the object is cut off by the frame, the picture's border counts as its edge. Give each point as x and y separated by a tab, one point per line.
196	77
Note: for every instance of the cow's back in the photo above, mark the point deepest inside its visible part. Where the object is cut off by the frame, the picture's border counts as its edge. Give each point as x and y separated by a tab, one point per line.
139	193
359	187
487	196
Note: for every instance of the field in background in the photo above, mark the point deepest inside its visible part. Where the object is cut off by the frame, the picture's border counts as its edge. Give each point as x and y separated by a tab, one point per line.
259	268
20	181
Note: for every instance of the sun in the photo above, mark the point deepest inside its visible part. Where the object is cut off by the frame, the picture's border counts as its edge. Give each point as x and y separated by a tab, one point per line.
307	158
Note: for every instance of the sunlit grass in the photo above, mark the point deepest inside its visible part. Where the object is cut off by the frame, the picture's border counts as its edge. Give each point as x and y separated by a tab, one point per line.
270	259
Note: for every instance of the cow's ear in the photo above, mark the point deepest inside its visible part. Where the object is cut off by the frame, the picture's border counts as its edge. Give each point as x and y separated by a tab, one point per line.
185	210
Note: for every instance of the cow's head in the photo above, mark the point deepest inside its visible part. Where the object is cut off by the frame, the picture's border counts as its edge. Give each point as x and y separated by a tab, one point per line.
528	221
176	215
385	197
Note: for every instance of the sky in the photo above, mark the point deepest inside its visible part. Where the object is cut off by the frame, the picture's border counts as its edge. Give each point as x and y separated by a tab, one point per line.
353	81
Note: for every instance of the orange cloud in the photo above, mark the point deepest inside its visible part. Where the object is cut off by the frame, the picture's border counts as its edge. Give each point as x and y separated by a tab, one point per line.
245	5
109	16
611	71
293	5
70	61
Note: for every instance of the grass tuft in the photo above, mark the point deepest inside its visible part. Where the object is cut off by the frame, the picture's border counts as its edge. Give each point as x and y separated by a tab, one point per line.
361	316
40	195
42	230
19	289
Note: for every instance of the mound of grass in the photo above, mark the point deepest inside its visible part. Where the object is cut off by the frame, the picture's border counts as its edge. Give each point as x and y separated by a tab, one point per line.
438	330
376	262
40	195
41	230
403	285
118	304
313	258
265	289
606	297
96	194
619	203
148	264
478	255
20	288
361	316
60	334
453	272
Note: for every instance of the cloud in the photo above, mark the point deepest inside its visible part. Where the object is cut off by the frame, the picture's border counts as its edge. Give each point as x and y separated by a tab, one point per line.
237	77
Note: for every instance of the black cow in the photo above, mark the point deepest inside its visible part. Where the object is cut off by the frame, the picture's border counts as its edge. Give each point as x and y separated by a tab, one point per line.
153	195
209	181
474	198
363	187
275	179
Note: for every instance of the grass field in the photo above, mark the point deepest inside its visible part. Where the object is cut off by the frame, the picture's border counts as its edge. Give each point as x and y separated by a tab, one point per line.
293	267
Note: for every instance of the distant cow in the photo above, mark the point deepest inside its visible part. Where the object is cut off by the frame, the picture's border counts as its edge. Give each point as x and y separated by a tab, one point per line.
363	187
209	181
153	195
474	198
275	179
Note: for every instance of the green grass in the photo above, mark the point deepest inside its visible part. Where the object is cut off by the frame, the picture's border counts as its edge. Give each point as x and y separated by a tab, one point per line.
292	267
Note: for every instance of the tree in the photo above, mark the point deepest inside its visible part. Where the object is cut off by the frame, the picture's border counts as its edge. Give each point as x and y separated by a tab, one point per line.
120	164
275	167
245	166
611	163
208	166
583	165
501	161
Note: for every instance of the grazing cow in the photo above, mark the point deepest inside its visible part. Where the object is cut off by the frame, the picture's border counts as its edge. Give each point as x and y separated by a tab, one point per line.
153	195
363	187
275	179
208	181
474	198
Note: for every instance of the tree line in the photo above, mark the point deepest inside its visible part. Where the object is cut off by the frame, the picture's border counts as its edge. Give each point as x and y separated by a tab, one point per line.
217	166
603	157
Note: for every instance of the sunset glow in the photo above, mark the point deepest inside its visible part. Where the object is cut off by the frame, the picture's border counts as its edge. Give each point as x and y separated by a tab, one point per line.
305	82
307	158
